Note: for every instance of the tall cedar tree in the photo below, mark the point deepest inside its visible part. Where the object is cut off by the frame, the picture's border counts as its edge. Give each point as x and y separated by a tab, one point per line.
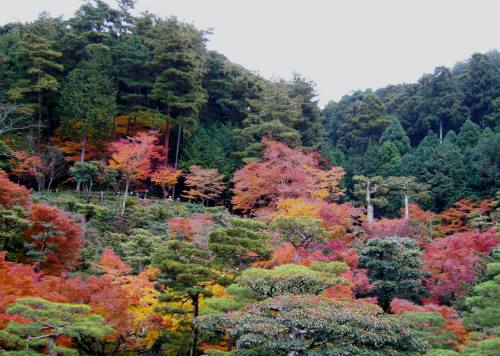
88	99
177	67
38	63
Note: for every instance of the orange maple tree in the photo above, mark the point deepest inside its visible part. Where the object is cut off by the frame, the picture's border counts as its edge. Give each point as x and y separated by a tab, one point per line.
283	173
203	183
12	193
454	219
166	178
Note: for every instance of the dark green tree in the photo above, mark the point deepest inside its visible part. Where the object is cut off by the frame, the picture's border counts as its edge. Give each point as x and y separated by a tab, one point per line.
479	82
240	243
395	134
310	127
130	56
186	270
305	325
394	268
86	173
211	147
389	159
88	99
177	68
49	321
372	191
37	63
274	117
441	108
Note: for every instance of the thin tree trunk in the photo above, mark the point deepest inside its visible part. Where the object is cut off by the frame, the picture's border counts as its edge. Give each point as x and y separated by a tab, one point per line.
440	131
194	346
167	136
177	154
125	196
407	207
369	205
82	158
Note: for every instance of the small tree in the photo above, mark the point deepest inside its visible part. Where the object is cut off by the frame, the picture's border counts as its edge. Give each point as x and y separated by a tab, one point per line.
292	279
394	268
203	183
409	188
483	303
372	189
53	241
239	244
166	178
132	157
300	231
49	321
86	173
186	272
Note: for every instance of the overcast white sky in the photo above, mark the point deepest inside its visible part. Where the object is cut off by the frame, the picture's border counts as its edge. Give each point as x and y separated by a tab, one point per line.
341	45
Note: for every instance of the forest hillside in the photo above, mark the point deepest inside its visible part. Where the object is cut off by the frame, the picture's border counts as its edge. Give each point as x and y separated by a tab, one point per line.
158	199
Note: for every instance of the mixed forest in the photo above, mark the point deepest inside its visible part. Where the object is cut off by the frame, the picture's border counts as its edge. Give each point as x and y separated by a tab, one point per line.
158	199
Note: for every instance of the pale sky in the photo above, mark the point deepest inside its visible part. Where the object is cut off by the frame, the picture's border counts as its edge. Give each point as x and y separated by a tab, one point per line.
341	45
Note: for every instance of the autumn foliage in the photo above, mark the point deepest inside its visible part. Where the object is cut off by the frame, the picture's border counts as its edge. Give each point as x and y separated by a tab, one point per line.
453	330
56	239
11	193
284	173
453	262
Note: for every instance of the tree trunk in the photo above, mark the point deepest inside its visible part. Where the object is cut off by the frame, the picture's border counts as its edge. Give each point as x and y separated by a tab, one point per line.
82	158
166	138
125	196
440	131
177	154
194	346
369	205
407	207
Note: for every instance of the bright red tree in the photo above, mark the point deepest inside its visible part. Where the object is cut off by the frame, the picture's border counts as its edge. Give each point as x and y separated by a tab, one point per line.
453	262
11	193
132	157
54	239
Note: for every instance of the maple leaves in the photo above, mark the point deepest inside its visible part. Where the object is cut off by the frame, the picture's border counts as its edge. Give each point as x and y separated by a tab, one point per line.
132	157
283	173
453	262
11	193
203	183
166	178
53	238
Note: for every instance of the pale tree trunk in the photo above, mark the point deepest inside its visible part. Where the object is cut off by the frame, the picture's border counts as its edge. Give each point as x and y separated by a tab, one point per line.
440	131
369	205
407	207
82	158
167	136
177	154
125	196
